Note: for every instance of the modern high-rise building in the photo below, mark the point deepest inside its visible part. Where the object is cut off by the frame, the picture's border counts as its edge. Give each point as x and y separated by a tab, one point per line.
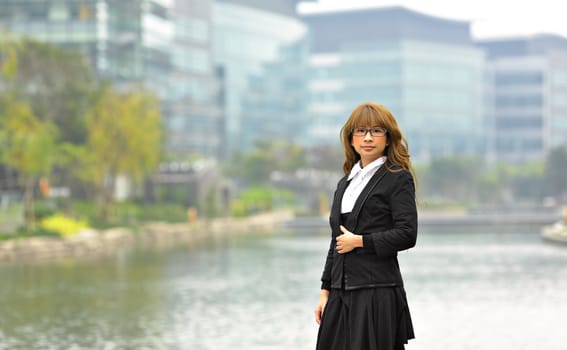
527	80
426	70
163	45
274	105
247	35
194	113
127	41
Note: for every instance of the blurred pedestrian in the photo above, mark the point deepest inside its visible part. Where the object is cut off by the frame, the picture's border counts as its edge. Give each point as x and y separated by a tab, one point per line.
373	216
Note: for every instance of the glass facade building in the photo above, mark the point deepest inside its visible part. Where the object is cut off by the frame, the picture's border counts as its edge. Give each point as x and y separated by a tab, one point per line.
194	114
248	35
126	40
274	106
424	69
528	97
163	45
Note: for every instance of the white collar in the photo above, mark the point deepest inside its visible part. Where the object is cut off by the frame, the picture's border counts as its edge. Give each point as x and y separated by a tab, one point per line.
372	167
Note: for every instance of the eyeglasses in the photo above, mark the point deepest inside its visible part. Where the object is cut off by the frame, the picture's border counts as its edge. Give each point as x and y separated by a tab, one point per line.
374	132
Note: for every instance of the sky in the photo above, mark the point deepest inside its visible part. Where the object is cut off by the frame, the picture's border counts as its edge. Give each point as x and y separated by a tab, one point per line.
490	19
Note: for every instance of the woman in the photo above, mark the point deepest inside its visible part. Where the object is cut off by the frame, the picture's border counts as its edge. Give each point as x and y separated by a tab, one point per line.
363	303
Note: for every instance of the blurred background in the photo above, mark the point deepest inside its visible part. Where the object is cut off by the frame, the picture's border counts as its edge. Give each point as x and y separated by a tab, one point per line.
116	115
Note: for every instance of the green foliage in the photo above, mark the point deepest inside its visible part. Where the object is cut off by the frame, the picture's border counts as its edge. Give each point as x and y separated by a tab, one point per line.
44	209
258	199
51	113
468	181
128	213
255	167
57	83
124	134
454	178
124	138
22	233
27	144
326	157
8	60
43	96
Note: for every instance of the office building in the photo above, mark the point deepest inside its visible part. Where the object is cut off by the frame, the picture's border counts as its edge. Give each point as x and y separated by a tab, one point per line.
274	105
194	113
247	36
426	70
163	45
527	80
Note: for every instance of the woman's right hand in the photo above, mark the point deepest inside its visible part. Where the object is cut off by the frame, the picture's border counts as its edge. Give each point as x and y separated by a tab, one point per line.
320	308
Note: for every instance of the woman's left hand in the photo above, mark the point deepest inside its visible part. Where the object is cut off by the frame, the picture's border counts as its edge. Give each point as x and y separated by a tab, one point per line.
348	241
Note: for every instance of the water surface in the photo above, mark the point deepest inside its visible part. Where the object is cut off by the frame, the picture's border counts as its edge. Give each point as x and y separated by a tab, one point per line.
496	287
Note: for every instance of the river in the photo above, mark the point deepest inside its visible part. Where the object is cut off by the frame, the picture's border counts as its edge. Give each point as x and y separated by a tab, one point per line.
474	287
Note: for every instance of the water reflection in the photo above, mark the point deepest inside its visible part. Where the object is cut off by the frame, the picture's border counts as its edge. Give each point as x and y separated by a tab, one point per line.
482	288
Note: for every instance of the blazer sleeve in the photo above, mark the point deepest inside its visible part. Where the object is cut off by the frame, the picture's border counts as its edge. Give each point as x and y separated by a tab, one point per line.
403	234
326	277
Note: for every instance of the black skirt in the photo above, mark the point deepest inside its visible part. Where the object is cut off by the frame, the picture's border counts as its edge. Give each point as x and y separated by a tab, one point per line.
365	319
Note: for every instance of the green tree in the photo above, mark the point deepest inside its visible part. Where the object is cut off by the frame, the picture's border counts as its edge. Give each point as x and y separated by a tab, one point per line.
124	138
57	83
268	156
258	199
27	145
453	178
326	157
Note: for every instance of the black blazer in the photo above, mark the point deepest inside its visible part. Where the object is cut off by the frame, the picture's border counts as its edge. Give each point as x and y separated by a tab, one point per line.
385	214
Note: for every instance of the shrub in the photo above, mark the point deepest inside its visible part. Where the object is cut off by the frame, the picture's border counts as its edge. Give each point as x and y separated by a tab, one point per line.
64	226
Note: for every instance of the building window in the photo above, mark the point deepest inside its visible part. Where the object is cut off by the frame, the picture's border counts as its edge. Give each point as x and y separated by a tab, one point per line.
535	122
517	78
519	101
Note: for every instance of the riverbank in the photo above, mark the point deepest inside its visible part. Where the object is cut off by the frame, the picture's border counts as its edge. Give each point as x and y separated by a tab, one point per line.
90	243
455	218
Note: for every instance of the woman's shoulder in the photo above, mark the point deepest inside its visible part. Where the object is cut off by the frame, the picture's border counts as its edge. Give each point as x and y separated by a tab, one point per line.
398	170
399	174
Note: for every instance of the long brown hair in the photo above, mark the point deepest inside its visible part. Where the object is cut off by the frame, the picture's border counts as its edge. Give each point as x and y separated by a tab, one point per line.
374	114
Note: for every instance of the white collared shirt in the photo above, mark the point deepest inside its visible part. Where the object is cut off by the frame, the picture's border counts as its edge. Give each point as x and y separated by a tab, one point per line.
359	178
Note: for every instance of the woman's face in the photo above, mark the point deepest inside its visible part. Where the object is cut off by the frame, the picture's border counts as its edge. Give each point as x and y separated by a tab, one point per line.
369	142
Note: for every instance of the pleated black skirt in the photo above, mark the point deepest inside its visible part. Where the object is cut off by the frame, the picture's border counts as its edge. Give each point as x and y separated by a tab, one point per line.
365	319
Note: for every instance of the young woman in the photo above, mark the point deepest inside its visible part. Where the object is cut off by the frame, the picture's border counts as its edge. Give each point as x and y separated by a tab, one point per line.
363	303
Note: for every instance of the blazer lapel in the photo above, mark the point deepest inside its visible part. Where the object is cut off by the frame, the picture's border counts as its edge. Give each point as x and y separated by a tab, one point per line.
353	217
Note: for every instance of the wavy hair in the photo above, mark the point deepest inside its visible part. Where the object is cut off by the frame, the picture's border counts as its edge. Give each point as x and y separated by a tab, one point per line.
373	114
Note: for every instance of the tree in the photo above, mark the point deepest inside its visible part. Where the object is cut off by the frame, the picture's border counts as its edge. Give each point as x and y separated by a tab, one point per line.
326	157
268	156
27	145
124	138
57	83
453	178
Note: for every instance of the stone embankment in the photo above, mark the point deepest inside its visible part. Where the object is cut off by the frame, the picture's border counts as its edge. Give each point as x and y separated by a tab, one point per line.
91	243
